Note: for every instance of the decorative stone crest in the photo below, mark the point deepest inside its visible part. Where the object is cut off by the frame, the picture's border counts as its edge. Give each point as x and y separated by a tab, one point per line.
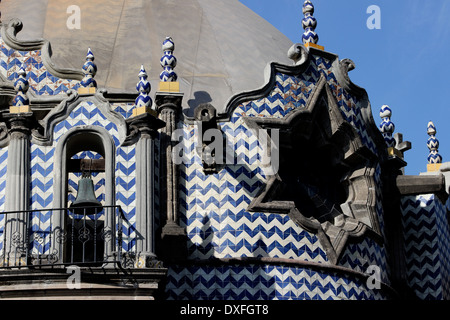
88	84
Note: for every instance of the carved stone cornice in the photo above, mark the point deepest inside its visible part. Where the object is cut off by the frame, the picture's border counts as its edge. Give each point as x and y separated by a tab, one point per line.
144	124
171	101
20	125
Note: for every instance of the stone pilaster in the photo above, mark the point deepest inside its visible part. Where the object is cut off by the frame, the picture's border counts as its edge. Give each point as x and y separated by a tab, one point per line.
145	126
18	186
173	235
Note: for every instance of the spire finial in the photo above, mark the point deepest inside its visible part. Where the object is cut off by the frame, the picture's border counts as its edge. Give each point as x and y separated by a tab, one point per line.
21	85
21	103
168	61
143	87
143	103
89	69
433	145
387	127
309	24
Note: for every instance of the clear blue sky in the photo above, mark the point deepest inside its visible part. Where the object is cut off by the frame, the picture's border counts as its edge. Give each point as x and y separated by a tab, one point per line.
405	64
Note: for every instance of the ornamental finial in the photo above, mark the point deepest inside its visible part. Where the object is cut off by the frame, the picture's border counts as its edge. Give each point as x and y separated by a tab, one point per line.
168	61
143	103
143	87
89	69
433	145
387	127
21	86
309	24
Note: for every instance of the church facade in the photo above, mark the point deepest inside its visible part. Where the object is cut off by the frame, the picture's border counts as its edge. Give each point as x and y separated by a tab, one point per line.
291	190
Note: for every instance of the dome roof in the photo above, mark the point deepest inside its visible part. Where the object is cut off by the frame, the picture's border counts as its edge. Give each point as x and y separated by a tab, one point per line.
222	47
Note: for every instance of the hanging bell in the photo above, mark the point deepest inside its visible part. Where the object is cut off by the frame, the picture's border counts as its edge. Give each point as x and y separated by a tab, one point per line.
86	195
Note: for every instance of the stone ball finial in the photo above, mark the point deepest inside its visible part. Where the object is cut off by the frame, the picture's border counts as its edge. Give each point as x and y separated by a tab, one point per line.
21	86
309	23
143	87
168	61
90	70
433	145
387	127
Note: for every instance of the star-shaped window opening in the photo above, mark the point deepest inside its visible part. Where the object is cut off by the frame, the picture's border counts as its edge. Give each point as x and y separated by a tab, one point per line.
325	180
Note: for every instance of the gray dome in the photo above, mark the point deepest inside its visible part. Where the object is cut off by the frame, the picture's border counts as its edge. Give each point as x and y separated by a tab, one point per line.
222	47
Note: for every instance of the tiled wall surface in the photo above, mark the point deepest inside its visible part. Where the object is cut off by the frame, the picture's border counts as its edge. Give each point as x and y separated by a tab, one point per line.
427	238
213	208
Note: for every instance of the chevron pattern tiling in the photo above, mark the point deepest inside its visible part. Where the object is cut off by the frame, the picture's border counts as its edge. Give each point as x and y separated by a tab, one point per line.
213	207
289	93
427	235
42	159
3	167
42	173
263	282
41	81
126	193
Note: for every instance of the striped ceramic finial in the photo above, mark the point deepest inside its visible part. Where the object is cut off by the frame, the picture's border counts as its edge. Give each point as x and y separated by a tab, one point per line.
89	69
433	145
21	85
387	127
309	23
168	61
143	87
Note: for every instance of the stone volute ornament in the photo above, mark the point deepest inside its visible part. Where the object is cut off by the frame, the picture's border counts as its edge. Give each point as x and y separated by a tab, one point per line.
88	85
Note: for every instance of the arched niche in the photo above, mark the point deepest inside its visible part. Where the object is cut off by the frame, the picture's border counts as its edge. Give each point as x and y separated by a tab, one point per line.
78	139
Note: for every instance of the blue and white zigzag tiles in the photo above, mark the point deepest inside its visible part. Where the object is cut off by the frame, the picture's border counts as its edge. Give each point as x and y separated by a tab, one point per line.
213	208
41	81
263	282
427	235
3	167
42	174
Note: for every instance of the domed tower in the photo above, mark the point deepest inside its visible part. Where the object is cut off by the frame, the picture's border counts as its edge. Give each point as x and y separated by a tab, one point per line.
224	161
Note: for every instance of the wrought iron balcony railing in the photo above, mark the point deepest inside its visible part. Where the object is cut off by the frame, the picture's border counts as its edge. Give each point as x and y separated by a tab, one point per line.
90	236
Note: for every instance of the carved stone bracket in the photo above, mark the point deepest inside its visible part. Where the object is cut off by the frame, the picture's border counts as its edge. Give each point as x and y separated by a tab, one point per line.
208	134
